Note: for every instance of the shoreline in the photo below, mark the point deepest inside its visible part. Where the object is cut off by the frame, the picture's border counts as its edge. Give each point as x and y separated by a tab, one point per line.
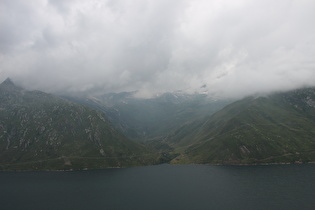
208	164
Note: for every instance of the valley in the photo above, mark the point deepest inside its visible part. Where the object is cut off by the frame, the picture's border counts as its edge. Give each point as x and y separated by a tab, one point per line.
40	131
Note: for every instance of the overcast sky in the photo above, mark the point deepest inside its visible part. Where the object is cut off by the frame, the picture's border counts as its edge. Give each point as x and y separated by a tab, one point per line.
231	48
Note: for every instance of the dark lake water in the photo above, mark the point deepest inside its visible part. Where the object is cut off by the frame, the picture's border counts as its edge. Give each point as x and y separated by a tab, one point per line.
163	187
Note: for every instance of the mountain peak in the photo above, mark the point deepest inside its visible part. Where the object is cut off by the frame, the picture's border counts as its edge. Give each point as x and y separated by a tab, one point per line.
8	82
8	85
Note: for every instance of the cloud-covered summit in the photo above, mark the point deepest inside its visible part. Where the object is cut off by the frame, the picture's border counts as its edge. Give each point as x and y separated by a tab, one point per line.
232	48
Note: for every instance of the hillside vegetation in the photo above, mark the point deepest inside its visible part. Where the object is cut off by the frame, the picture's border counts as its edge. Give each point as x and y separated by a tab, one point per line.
42	131
271	129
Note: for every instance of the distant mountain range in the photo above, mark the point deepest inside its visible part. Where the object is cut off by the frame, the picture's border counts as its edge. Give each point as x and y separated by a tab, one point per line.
40	131
154	118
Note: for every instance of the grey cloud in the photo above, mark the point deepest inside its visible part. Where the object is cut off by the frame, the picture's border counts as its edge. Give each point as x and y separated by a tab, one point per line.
231	48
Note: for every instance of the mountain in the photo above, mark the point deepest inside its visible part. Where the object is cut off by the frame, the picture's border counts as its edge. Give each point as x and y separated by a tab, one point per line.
42	131
271	129
154	118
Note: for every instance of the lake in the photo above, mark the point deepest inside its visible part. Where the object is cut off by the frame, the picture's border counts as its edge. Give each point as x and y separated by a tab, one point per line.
163	187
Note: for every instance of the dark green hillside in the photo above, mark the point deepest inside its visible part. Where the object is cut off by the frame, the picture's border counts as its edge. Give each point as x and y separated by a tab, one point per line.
41	131
277	128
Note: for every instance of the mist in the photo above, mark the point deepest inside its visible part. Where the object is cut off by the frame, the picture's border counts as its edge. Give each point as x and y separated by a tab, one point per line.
225	48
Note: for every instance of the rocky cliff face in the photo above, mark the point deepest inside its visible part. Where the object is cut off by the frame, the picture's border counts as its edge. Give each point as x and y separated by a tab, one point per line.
42	131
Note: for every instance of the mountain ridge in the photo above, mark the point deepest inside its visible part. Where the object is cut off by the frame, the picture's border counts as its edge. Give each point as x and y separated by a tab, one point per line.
276	128
41	131
145	119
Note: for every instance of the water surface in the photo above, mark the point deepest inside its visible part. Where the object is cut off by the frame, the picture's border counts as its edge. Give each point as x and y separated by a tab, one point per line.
163	187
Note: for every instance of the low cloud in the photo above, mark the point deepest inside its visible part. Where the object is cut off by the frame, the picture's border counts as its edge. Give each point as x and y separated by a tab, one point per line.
230	48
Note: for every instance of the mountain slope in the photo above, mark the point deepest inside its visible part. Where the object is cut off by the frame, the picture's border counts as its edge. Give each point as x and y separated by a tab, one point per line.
42	131
154	118
277	128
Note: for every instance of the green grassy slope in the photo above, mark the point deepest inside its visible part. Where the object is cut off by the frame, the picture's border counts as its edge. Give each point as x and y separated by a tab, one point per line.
277	128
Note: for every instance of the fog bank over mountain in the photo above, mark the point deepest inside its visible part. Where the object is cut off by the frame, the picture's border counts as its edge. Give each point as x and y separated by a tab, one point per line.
226	48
